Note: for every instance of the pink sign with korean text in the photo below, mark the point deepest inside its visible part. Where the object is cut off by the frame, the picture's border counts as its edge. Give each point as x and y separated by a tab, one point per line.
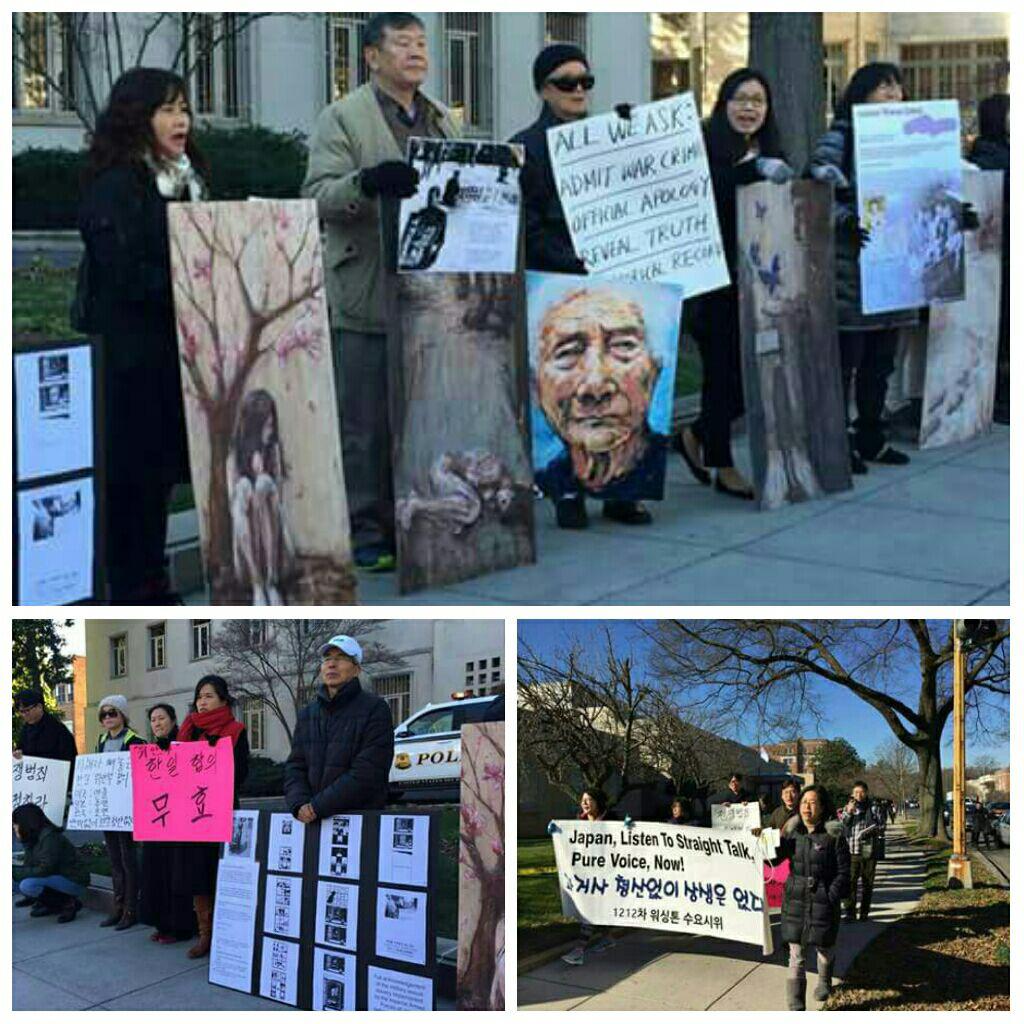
184	794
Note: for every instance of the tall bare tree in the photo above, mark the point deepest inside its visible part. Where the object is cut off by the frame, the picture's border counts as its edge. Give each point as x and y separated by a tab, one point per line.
896	770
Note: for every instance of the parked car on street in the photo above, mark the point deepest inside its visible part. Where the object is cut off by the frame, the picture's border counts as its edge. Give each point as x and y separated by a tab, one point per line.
1002	827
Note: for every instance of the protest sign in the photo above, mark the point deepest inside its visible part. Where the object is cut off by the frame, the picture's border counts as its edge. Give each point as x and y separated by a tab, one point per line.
665	877
637	195
101	798
909	189
184	794
39	780
736	817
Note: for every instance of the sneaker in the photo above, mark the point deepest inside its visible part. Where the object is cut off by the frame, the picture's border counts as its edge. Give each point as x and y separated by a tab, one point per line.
601	945
375	559
889	456
629	513
571	513
574	958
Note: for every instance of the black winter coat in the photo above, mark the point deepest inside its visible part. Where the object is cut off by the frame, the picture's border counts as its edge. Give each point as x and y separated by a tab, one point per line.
341	753
548	242
819	881
48	738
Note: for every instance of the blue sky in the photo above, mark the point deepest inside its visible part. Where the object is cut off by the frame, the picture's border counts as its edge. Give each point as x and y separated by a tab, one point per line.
844	714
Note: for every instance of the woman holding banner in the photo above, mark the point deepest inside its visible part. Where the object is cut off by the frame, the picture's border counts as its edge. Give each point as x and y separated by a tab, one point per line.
743	147
211	720
124	864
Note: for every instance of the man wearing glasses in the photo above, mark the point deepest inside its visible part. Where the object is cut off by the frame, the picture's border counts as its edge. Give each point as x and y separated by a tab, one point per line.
42	734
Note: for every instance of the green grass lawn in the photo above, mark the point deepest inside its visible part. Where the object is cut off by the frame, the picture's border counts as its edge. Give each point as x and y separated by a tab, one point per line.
448	875
41	297
540	921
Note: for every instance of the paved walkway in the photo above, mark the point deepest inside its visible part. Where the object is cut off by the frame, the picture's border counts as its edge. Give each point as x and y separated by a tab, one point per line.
659	971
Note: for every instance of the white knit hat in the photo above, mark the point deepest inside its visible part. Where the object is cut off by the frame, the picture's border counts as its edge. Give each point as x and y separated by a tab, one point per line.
117	701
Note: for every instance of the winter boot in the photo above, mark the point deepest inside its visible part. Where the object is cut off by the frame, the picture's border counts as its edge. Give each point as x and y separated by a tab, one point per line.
203	906
115	916
823	989
69	910
796	993
48	902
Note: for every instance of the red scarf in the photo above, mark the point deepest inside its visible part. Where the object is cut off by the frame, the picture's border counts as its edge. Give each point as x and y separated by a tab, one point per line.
219	722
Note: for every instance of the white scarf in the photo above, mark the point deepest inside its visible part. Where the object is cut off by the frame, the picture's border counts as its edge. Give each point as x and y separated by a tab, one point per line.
176	178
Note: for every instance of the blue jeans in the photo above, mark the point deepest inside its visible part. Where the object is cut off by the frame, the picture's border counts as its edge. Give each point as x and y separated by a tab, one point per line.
33	887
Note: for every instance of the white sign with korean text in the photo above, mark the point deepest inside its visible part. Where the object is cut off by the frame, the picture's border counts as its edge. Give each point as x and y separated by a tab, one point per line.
42	781
736	817
101	799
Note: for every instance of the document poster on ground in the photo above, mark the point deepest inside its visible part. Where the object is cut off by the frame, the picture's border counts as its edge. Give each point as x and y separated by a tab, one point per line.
234	924
340	841
404	849
55	543
664	877
464	217
637	195
101	798
909	191
402	925
334	980
279	970
395	990
287	842
282	910
54	413
337	915
242	845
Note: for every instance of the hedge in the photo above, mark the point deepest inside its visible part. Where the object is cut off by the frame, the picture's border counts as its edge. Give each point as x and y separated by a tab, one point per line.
265	778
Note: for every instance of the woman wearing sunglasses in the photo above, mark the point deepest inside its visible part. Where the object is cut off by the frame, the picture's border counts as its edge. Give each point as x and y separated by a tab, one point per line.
116	736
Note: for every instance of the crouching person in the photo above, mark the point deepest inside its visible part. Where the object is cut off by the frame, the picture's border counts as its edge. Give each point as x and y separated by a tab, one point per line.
51	879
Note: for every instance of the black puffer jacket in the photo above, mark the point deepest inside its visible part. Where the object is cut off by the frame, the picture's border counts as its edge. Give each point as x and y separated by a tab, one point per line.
819	881
341	753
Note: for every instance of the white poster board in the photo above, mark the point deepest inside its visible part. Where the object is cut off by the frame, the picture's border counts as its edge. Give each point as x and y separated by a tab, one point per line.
736	817
101	795
404	849
909	189
287	843
282	909
334	980
637	195
396	990
340	841
42	781
402	925
337	915
279	970
234	923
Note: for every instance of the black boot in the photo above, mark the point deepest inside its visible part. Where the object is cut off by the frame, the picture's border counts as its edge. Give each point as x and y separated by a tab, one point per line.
47	903
72	907
115	917
796	993
571	512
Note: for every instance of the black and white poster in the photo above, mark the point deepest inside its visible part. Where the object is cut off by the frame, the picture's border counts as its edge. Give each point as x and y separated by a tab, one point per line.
340	839
402	925
287	843
404	841
234	922
337	915
334	980
282	910
396	990
242	845
464	217
279	970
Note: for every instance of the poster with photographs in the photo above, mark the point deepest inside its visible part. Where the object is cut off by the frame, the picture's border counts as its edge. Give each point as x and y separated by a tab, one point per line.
287	842
340	839
279	971
55	543
282	910
334	980
464	217
242	845
403	849
54	413
402	925
337	915
396	990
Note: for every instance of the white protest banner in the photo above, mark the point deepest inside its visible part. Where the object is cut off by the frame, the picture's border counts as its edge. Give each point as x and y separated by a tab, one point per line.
101	797
736	817
637	195
39	780
666	877
909	189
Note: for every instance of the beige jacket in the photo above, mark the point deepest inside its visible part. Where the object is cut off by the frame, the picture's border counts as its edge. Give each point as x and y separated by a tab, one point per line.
349	136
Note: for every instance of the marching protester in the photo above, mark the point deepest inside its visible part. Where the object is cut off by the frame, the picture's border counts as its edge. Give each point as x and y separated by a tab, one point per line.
124	864
51	879
734	793
593	807
864	828
142	157
343	744
812	902
165	905
211	719
790	805
42	734
356	157
563	80
743	147
683	813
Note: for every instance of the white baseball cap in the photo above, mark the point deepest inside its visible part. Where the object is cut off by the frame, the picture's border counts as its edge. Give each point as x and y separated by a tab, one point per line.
346	645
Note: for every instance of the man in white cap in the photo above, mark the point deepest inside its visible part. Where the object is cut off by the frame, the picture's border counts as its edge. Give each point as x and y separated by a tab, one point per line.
344	742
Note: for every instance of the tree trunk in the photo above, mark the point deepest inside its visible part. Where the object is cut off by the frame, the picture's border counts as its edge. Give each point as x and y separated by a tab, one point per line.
219	557
930	794
789	50
477	976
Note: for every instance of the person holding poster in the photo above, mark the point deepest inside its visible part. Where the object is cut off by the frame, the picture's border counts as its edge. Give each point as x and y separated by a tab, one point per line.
50	878
211	719
42	734
356	156
142	156
124	864
743	147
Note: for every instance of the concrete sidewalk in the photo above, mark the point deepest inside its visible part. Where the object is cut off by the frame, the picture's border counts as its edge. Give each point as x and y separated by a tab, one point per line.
648	970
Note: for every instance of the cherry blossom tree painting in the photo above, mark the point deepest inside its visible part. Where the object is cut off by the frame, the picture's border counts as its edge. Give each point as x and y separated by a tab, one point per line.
481	966
260	404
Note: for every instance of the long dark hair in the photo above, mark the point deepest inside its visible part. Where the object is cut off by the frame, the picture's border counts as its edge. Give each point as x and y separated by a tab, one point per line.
992	114
124	132
257	407
31	820
599	796
725	144
220	687
864	82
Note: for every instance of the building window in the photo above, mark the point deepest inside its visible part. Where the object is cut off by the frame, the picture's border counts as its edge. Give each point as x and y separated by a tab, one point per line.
118	656
395	689
566	28
669	78
254	722
872	53
200	639
44	70
216	47
157	645
64	693
835	73
468	68
485	676
346	69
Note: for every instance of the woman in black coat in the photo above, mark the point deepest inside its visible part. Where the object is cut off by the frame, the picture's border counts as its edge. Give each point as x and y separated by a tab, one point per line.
743	147
141	158
812	901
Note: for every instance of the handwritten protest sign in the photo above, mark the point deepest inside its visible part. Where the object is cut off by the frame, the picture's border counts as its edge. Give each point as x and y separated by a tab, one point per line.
637	195
666	877
39	780
101	798
184	794
736	817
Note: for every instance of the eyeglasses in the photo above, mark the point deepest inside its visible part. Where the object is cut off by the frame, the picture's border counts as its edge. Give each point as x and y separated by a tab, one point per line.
584	82
28	708
109	713
754	102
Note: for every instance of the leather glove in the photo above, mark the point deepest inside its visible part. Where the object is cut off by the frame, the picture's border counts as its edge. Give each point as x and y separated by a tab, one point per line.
392	178
969	220
163	743
776	171
624	110
855	230
831	174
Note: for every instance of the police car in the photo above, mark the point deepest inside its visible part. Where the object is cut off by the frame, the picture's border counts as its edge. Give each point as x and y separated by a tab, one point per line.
428	748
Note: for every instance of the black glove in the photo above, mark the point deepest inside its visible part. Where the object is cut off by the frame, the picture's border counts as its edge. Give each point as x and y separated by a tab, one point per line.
163	743
969	220
624	110
213	740
391	178
856	231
